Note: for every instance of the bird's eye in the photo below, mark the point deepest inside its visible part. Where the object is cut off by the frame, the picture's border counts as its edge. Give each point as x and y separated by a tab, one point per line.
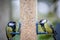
11	24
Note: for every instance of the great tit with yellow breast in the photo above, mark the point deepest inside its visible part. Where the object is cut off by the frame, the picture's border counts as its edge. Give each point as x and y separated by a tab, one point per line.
11	27
47	27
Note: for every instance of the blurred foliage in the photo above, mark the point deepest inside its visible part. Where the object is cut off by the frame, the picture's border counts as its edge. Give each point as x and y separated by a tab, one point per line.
17	37
51	17
45	37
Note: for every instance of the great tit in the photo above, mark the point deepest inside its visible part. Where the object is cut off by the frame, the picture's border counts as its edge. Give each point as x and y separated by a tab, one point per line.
11	27
47	27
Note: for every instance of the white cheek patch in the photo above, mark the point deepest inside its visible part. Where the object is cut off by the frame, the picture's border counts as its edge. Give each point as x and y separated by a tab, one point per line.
11	24
43	21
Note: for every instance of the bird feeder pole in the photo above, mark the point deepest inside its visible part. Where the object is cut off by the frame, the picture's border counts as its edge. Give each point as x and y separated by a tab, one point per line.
28	19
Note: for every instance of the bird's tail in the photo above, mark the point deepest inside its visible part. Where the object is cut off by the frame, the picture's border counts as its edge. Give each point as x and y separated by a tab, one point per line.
10	39
54	37
55	33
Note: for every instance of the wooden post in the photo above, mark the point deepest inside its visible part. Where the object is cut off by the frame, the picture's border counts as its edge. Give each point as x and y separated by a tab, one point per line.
28	19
